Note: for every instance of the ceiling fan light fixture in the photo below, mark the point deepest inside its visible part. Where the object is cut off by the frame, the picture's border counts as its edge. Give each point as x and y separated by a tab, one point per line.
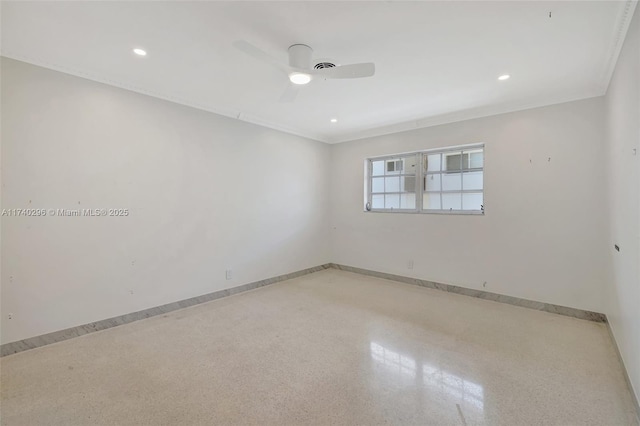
299	78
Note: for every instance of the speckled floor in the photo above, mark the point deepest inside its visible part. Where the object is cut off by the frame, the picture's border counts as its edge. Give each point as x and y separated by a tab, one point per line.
332	347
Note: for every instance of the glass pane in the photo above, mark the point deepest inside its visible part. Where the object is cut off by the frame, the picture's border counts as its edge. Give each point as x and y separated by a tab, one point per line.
377	201
377	185
408	201
408	184
410	165
394	166
433	182
433	163
377	168
452	201
472	180
476	159
452	161
392	201
471	201
451	182
431	201
392	184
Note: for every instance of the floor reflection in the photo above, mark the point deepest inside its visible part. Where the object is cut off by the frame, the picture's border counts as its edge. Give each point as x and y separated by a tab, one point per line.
457	387
393	360
462	391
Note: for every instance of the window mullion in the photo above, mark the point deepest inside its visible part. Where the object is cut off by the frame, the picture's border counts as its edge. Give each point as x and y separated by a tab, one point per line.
370	189
462	177
441	176
419	181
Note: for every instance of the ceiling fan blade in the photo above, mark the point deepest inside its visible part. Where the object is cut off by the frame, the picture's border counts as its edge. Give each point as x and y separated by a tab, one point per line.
290	93
259	54
348	71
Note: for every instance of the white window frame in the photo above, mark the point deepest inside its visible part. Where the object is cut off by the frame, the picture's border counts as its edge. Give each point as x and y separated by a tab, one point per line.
420	177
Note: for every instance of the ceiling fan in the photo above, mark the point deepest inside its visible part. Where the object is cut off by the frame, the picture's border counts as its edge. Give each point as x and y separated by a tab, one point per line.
299	68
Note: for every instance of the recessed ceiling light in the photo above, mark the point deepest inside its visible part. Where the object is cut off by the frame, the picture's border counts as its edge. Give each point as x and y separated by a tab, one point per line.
140	52
504	77
334	120
299	78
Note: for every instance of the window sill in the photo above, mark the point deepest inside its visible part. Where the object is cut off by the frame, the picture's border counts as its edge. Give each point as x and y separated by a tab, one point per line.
450	212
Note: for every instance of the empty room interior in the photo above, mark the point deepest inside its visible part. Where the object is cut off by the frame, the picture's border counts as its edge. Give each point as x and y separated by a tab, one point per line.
315	212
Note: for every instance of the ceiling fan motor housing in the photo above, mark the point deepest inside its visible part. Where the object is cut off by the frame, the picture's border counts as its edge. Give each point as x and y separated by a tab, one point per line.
300	56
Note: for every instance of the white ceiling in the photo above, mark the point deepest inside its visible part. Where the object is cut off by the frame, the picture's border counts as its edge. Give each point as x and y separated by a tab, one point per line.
436	62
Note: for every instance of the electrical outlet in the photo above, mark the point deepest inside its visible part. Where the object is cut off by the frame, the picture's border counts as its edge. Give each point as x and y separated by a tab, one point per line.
410	264
228	274
10	316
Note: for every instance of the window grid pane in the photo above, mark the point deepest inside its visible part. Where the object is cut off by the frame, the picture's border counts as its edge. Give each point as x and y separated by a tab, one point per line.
472	200
377	168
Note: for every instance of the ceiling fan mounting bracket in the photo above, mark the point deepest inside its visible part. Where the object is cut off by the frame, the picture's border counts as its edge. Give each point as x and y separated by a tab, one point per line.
300	56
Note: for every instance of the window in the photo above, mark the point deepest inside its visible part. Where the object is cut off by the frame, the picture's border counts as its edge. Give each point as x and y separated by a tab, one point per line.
450	181
393	183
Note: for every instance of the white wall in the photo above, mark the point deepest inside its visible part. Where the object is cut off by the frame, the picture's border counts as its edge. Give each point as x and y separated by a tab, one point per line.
206	193
623	136
542	237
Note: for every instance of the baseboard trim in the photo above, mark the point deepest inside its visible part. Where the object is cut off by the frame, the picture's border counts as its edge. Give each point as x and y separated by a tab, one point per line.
625	372
516	301
61	335
69	333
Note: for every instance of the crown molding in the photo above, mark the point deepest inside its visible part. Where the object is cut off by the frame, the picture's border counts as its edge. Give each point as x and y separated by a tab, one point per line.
255	120
619	35
458	116
226	112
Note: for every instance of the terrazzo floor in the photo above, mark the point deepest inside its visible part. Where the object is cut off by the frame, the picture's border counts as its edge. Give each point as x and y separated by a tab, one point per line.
332	347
